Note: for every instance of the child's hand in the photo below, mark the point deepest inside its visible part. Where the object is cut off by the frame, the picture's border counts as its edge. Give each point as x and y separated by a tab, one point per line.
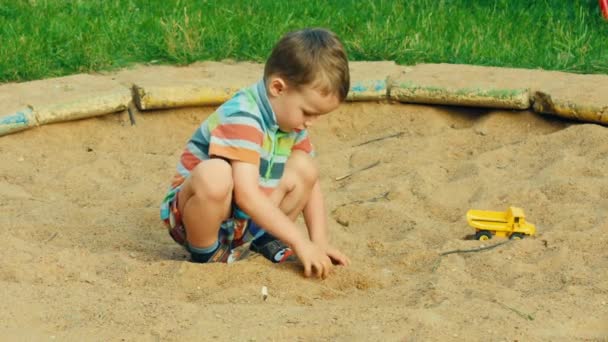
314	259
337	257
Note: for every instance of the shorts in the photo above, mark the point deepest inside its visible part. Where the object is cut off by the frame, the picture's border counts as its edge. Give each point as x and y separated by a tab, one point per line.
233	232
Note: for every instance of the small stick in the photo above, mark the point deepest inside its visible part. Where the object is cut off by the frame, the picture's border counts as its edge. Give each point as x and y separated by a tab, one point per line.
473	250
130	109
373	199
436	265
52	237
396	135
357	171
519	313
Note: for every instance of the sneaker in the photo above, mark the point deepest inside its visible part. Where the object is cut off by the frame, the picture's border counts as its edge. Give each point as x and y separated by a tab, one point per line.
275	251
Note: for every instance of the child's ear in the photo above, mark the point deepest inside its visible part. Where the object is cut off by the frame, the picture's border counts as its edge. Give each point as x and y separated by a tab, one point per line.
277	86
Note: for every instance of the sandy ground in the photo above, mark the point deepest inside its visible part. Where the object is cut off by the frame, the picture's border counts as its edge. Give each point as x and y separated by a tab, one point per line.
84	255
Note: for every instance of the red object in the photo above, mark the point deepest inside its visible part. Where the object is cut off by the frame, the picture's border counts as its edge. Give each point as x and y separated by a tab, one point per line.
604	8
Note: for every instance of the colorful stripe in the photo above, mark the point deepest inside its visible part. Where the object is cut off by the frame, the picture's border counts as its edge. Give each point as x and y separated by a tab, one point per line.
244	129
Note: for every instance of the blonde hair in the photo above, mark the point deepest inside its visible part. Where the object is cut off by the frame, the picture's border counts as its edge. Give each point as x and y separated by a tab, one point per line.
312	56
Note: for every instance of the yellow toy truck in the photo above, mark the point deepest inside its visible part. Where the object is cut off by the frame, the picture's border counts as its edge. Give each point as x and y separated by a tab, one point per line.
511	223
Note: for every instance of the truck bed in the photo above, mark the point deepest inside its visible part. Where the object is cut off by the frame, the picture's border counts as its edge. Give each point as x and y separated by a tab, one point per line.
487	216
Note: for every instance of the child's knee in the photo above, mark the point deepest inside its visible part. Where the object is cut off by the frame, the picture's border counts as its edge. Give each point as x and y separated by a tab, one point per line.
212	179
303	167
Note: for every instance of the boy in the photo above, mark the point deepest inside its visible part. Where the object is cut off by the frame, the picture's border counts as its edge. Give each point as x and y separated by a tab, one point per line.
250	162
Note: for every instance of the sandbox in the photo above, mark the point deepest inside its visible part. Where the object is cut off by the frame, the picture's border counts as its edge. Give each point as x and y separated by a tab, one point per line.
85	255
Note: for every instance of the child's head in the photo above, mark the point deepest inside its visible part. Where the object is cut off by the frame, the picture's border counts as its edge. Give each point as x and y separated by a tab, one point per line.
306	76
313	57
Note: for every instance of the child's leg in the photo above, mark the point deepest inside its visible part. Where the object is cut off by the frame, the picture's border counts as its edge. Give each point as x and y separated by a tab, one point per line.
205	201
290	196
294	189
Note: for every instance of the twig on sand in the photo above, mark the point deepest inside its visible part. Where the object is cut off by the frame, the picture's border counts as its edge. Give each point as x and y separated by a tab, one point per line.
473	250
345	223
52	237
396	135
436	265
384	195
373	199
358	170
131	110
519	313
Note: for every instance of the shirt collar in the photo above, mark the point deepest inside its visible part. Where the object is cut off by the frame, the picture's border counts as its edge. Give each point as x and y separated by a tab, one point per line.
270	119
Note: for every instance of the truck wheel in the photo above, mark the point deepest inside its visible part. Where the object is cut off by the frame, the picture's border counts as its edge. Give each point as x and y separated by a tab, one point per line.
516	236
483	235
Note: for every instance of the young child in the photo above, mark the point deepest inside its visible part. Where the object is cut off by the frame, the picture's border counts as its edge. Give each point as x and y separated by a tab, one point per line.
249	163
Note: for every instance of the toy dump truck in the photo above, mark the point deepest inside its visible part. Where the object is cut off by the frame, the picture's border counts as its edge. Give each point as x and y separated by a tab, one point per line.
511	223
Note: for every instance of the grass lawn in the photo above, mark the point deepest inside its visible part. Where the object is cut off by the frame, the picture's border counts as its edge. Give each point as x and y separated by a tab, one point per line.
45	38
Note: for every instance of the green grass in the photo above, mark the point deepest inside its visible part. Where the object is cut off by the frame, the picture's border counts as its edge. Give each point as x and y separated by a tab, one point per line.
44	38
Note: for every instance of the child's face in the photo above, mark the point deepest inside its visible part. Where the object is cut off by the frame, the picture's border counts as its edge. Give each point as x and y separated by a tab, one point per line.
298	109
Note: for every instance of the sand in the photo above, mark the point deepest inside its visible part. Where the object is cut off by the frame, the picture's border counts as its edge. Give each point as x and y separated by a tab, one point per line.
85	257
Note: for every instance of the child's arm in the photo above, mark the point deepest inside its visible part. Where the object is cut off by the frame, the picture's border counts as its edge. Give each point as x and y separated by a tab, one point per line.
256	204
316	222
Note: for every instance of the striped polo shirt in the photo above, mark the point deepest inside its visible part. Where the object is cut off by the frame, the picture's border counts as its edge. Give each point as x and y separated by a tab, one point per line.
244	129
